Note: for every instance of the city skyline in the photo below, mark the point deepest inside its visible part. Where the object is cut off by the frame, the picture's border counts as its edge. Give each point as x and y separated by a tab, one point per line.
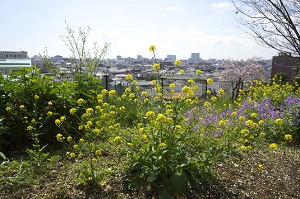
176	28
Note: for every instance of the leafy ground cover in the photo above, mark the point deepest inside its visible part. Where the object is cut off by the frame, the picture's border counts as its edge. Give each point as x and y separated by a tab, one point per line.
235	177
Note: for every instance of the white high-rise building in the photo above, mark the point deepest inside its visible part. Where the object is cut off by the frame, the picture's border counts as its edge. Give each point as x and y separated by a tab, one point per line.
195	57
139	58
171	58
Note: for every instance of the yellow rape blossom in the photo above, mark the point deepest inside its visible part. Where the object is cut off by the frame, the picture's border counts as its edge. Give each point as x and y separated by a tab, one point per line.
105	105
59	137
96	131
278	121
117	139
144	94
129	144
69	138
178	127
104	92
112	93
177	62
221	122
141	130
80	101
249	123
273	146
57	122
129	77
213	98
80	127
62	118
98	152
49	113
259	167
144	137
156	67
73	111
190	81
209	80
131	95
152	48
89	110
161	117
122	108
162	145
127	90
262	134
22	107
206	104
29	128
169	120
72	155
198	72
288	137
172	85
150	114
221	92
244	148
241	118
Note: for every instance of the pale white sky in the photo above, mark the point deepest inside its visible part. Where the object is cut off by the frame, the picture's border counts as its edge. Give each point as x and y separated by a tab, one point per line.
176	27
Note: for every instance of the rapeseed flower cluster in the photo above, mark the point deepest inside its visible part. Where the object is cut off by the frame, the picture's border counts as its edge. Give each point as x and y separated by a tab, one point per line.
288	137
80	101
156	67
273	146
198	72
210	81
72	111
36	97
129	77
177	62
152	48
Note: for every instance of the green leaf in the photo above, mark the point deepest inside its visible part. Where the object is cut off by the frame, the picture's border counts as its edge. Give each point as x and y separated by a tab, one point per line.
2	156
179	183
164	151
185	162
177	135
164	193
152	177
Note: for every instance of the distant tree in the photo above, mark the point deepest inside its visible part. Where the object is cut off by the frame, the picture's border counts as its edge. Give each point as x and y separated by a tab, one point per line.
236	73
84	61
48	65
272	23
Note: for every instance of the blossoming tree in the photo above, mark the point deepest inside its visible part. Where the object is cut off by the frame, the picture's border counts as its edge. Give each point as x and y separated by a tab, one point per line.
238	72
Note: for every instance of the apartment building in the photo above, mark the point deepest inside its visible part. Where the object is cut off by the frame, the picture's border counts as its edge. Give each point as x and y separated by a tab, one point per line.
13	55
11	61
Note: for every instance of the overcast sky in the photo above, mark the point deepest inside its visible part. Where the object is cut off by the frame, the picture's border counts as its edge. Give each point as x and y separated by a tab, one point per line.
176	27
